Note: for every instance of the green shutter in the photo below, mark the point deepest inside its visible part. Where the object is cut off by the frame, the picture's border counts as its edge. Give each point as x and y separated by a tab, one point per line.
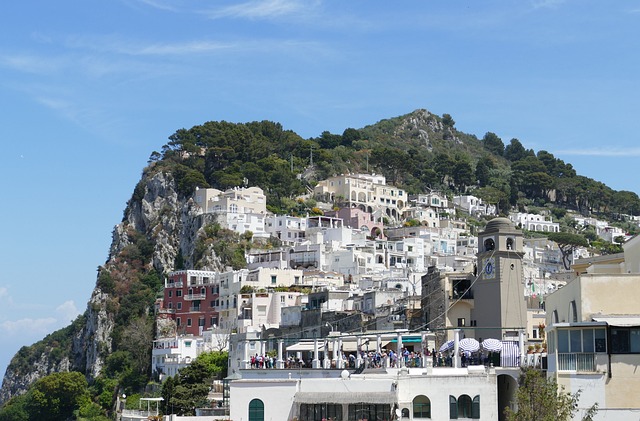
453	407
475	408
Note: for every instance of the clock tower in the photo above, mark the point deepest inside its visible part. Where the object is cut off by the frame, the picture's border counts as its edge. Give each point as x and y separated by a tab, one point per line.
499	305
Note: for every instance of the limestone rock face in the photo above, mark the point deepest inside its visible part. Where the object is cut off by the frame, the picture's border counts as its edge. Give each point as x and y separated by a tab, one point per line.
171	224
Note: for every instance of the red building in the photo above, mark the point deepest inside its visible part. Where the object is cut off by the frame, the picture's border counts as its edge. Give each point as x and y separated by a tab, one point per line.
192	297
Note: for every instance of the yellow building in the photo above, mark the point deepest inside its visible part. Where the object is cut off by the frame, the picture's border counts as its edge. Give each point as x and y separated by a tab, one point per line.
593	334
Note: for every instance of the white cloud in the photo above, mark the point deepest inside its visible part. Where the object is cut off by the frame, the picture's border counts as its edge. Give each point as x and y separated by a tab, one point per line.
40	326
547	4
260	9
67	311
4	292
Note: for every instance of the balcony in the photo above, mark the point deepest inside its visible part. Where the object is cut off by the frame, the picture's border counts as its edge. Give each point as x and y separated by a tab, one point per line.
583	362
191	297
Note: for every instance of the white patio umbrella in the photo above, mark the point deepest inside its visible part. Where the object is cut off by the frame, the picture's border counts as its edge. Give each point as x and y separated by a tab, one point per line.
492	345
469	344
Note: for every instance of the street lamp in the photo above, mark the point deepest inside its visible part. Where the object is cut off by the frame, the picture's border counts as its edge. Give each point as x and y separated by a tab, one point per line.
329	325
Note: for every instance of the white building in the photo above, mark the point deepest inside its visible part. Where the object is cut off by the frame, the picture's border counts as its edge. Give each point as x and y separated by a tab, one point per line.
237	209
289	229
534	222
473	205
369	193
171	354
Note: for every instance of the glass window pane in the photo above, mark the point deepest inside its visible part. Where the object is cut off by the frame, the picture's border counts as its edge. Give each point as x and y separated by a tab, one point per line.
600	340
635	340
587	340
575	340
619	340
563	341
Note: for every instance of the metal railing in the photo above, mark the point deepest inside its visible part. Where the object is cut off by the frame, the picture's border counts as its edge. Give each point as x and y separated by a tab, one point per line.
577	362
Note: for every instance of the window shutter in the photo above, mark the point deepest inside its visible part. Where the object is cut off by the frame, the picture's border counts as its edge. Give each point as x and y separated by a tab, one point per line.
475	408
453	407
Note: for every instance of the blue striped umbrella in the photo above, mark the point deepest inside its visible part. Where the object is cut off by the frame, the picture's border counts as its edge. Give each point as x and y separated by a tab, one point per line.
492	345
446	346
469	344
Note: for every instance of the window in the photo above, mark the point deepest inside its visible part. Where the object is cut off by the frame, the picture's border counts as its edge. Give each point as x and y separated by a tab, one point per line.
461	322
464	406
573	314
179	293
421	407
489	244
369	411
256	410
625	340
274	279
201	321
179	306
178	322
189	322
320	412
509	243
170	293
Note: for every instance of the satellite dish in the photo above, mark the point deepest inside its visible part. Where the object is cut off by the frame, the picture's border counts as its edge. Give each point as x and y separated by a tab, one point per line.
398	413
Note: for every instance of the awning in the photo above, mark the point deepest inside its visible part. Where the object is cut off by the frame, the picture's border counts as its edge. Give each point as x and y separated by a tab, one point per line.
619	321
408	340
305	346
345	398
347	346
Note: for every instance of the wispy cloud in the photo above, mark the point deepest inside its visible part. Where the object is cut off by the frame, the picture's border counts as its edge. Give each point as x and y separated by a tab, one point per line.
260	9
39	326
64	314
547	4
609	152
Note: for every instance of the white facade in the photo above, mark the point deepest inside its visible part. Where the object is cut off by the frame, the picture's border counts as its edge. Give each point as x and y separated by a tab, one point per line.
473	205
415	393
369	193
534	222
171	354
289	229
236	200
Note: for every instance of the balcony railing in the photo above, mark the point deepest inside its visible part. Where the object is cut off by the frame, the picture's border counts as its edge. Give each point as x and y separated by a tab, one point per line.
190	297
585	362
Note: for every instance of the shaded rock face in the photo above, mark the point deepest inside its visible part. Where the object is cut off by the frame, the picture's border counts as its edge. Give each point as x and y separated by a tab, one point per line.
171	224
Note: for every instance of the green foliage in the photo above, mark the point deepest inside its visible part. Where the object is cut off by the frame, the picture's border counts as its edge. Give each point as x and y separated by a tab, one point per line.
538	399
189	388
56	396
15	409
567	242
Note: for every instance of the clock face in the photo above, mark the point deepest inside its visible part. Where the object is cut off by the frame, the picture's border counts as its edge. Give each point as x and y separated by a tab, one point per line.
489	266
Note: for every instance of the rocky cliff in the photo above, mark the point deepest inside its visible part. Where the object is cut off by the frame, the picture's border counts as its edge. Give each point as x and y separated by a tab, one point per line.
158	224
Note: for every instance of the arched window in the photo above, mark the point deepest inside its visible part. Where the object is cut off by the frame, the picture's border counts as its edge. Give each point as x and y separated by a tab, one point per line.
405	413
509	243
555	316
421	407
453	407
464	406
256	410
573	312
489	244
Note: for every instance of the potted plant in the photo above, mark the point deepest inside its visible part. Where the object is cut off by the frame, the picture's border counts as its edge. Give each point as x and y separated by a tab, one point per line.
530	349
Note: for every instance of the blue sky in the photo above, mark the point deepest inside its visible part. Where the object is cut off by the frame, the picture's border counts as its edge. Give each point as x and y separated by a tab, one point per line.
89	89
